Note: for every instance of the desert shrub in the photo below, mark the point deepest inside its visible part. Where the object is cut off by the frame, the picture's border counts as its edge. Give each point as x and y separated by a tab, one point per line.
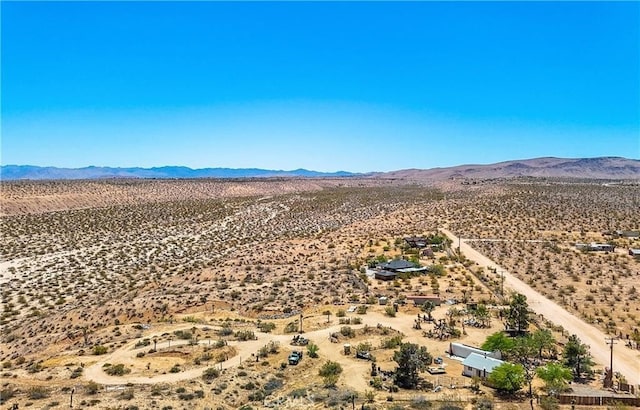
272	385
364	347
126	394
225	330
99	350
244	335
362	309
266	327
6	393
183	334
257	395
143	343
77	372
420	403
291	327
175	369
330	371
391	342
210	373
117	370
549	403
298	393
91	388
34	367
37	393
347	331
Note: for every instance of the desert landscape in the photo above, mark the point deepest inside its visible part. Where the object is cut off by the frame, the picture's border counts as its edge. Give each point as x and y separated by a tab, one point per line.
129	293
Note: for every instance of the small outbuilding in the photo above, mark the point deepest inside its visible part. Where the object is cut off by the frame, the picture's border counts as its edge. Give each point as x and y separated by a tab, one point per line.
419	300
464	351
479	365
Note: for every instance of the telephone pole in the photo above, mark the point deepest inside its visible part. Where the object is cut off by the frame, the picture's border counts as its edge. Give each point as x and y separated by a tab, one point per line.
608	381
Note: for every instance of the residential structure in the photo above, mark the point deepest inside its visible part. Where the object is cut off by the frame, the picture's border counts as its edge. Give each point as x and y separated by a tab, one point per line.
479	365
597	247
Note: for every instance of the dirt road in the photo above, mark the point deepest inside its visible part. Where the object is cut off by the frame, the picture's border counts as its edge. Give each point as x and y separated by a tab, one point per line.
625	360
353	370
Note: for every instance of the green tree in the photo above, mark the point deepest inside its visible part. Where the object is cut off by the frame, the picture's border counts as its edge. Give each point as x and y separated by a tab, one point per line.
428	307
482	315
518	313
543	340
330	371
577	357
411	359
498	341
507	377
524	352
312	350
555	377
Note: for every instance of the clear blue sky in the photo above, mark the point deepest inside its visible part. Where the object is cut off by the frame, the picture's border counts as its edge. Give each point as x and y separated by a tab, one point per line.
324	86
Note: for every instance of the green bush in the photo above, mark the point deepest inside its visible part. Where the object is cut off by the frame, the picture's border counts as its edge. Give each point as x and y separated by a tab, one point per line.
347	331
117	370
266	327
210	374
99	350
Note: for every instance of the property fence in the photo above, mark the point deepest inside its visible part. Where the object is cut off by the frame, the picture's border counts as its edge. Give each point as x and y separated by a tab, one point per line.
598	400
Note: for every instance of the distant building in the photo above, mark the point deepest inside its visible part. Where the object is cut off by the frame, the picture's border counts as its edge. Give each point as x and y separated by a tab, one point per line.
479	365
634	252
595	247
390	270
463	350
416	242
626	234
419	300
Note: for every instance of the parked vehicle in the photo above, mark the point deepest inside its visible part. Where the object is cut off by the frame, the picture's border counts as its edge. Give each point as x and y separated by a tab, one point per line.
365	356
299	340
295	357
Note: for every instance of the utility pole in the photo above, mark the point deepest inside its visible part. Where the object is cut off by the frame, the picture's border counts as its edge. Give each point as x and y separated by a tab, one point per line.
608	381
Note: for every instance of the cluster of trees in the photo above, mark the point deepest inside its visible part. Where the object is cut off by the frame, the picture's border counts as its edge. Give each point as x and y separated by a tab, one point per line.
526	353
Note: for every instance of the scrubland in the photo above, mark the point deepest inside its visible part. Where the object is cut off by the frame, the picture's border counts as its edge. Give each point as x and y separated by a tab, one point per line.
110	263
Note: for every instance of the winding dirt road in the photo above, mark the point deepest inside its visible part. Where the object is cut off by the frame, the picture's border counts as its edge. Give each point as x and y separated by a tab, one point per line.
625	360
126	354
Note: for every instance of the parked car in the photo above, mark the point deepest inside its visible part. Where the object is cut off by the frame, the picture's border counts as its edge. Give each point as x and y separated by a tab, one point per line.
364	355
438	360
295	357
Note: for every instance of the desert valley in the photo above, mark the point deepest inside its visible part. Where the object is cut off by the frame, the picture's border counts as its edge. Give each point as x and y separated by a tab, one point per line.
295	293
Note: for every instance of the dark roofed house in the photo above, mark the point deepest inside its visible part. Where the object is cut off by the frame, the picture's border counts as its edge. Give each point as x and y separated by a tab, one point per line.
416	242
385	275
396	265
390	270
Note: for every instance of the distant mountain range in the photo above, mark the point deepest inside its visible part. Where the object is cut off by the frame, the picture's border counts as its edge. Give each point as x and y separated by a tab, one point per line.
13	172
550	167
592	168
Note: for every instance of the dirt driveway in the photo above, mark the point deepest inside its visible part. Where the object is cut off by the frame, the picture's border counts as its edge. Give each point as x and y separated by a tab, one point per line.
625	360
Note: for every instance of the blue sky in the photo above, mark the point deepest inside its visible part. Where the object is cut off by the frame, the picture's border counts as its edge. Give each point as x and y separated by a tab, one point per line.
324	85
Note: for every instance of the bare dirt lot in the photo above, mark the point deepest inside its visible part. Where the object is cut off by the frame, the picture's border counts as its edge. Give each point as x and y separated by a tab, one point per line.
109	264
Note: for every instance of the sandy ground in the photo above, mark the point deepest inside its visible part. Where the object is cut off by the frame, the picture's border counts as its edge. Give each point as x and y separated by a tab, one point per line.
626	361
355	372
